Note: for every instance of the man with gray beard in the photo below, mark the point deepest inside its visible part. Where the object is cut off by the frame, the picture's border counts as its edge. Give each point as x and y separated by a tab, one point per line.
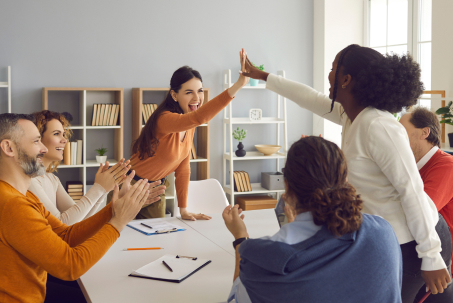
32	241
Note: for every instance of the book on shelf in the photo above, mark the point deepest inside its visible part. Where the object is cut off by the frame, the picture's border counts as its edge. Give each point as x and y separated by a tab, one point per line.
79	152
101	110
194	152
241	181
94	115
108	111
74	185
115	107
117	111
67	154
73	153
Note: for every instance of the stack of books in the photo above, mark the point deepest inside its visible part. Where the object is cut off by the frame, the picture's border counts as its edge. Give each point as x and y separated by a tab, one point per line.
147	111
241	181
105	114
72	154
193	152
75	190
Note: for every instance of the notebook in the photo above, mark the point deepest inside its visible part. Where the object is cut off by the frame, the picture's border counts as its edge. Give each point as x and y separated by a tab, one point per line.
183	267
155	226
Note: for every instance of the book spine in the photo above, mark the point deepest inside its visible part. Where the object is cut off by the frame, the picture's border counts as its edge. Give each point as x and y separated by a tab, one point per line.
79	152
73	153
67	154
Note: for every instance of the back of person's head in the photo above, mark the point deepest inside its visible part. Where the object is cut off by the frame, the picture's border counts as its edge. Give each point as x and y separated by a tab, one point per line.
43	117
390	82
422	117
316	175
147	143
9	127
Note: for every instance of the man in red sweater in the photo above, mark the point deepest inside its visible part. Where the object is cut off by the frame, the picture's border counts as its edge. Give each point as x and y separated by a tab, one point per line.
434	165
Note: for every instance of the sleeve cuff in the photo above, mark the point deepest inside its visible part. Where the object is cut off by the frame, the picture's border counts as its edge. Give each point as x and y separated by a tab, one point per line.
430	264
270	82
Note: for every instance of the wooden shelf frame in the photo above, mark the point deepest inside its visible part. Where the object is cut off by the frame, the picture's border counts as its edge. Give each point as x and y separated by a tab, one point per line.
202	139
118	98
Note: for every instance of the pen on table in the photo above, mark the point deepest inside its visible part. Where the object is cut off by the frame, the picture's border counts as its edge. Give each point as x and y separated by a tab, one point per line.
143	248
146	225
167	266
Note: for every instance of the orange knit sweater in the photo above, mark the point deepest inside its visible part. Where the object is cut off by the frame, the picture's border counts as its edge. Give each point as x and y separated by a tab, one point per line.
33	242
172	155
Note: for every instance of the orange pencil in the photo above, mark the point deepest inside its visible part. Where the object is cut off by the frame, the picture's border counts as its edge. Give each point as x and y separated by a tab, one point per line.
144	248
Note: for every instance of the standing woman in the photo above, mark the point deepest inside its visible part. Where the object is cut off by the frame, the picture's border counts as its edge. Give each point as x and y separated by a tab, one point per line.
55	132
368	88
164	144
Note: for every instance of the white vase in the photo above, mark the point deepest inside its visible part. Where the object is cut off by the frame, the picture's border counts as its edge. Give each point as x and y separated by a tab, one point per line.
101	159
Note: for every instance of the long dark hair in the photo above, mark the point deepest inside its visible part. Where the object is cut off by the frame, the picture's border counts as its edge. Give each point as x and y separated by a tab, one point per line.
147	142
387	82
316	174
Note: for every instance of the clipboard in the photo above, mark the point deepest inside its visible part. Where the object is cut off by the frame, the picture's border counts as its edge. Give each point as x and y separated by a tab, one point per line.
154	227
182	266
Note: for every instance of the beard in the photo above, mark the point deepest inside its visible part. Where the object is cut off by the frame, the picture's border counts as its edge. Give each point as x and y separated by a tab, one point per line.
30	165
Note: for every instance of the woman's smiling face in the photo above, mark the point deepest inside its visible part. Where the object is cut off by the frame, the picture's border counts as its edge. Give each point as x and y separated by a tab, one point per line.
53	138
191	95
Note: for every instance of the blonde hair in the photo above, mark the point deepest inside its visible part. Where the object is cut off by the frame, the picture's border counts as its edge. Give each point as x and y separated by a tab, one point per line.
41	119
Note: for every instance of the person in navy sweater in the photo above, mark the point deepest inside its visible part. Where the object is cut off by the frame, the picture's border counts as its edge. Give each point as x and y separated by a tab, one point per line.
331	252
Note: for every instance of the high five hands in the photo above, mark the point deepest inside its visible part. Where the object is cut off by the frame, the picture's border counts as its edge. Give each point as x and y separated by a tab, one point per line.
248	70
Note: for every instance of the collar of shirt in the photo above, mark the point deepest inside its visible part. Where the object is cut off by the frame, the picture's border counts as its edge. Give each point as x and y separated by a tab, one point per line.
427	157
300	230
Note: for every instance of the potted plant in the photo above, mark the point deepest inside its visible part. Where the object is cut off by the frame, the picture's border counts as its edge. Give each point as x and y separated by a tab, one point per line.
254	82
240	135
447	115
101	158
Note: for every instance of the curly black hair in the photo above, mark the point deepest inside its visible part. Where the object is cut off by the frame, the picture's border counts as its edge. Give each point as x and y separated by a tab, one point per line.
390	82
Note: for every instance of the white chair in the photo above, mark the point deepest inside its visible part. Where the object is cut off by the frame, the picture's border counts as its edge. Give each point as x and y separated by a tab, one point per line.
205	196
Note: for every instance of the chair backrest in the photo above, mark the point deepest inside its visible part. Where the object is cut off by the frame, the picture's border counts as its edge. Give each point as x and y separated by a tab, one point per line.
205	196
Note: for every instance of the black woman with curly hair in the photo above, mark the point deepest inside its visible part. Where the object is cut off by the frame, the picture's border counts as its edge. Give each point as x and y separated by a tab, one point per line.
331	252
366	89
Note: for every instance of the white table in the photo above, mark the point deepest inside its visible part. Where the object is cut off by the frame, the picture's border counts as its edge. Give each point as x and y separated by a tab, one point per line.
259	223
108	280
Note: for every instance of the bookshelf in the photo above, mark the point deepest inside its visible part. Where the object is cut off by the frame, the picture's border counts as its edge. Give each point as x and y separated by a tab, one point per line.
7	85
79	102
229	157
199	166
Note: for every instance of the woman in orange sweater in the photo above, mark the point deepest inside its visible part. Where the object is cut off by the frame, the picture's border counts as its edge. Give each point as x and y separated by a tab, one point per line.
164	144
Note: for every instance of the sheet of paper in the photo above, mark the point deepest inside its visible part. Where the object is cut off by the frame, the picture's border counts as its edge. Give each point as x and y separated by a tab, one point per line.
156	224
182	267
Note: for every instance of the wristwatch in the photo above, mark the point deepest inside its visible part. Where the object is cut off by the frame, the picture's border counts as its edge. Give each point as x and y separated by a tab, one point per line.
238	241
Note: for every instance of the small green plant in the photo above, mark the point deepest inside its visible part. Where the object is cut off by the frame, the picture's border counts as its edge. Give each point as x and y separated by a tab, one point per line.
261	67
239	134
447	112
102	151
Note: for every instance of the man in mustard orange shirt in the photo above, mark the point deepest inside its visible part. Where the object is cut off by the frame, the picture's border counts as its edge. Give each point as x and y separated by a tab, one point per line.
32	241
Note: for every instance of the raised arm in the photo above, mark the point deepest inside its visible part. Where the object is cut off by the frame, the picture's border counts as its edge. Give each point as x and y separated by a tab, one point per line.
305	96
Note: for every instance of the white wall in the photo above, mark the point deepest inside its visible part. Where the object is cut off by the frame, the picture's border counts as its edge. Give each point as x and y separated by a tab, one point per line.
337	23
140	43
442	52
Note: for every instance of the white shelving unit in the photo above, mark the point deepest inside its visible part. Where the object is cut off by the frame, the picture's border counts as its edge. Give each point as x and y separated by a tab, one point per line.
280	121
85	97
7	85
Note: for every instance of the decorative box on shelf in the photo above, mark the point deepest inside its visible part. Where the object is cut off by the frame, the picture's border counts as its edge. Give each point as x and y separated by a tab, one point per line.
272	180
255	202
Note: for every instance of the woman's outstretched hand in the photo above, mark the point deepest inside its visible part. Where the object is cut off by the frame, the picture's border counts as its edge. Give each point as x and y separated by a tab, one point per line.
242	80
185	215
107	176
251	71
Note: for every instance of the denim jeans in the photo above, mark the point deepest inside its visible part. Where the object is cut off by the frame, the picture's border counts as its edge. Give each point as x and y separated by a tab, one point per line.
413	283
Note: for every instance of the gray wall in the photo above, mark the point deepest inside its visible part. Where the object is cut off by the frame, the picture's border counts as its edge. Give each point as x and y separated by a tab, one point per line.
139	43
